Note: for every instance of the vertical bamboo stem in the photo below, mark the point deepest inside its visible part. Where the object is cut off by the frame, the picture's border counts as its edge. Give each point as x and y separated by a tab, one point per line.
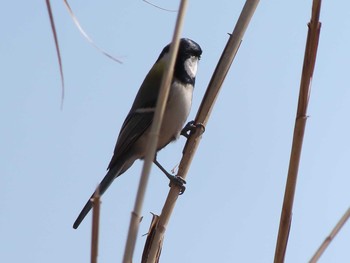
299	129
95	225
153	140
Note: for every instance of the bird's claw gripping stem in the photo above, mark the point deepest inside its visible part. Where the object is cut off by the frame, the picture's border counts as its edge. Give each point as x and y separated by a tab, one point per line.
191	127
178	181
174	179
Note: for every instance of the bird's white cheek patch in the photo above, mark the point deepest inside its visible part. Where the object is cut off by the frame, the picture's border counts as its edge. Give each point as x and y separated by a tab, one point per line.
191	65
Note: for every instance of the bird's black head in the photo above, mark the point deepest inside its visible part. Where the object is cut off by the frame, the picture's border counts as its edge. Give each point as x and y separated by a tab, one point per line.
189	48
186	62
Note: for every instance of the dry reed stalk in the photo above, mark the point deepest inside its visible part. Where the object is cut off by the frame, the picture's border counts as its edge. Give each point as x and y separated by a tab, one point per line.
299	129
202	117
95	225
330	237
149	240
153	138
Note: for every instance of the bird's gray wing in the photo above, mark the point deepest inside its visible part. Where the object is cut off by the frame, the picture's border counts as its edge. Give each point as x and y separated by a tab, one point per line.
141	114
134	126
136	123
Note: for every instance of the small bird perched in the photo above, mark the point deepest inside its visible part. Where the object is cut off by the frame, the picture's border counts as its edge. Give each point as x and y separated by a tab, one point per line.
132	140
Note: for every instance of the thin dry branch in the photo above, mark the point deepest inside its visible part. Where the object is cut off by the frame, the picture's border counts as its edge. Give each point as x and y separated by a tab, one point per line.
153	136
159	7
53	28
299	129
86	36
202	117
330	237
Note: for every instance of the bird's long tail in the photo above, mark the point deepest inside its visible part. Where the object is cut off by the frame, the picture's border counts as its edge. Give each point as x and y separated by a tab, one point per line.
105	183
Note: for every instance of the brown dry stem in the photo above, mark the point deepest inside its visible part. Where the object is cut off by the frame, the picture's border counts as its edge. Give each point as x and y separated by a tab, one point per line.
330	237
299	129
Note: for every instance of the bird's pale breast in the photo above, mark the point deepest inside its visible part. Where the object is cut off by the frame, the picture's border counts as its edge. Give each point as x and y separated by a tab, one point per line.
176	113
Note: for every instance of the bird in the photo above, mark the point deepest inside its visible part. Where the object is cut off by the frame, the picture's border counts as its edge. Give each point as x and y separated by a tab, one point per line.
132	140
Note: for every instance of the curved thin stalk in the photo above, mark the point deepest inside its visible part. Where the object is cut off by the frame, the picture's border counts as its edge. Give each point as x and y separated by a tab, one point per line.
153	140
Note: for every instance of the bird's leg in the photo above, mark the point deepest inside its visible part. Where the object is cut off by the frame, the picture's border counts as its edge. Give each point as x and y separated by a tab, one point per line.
191	128
174	179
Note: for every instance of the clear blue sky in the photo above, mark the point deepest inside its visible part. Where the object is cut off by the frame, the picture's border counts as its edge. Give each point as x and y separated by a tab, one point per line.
52	159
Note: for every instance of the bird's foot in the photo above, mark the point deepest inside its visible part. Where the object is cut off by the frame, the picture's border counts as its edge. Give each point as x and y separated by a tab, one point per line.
179	182
191	127
174	179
